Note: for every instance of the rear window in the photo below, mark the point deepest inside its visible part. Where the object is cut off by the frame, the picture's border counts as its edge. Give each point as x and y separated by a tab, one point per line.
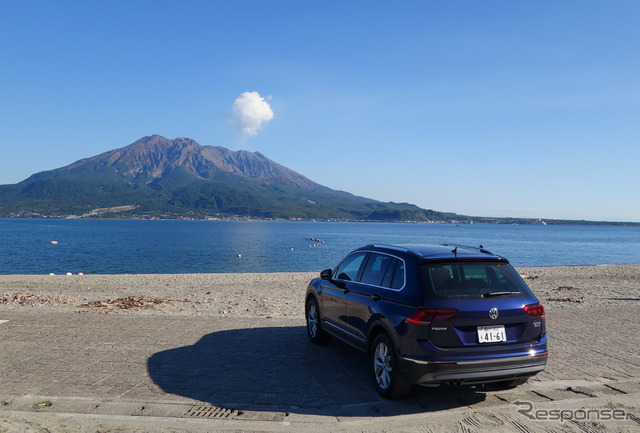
472	280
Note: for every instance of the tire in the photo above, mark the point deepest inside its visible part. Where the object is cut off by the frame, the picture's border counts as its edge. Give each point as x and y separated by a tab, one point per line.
314	325
386	375
512	383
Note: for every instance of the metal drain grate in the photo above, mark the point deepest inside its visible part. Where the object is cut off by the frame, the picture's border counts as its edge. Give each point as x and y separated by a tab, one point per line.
210	412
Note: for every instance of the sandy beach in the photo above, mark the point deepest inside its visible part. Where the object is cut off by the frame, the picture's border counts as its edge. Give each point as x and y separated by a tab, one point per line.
272	294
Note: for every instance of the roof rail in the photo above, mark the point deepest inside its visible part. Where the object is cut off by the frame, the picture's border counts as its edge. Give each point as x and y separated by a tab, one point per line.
395	247
480	249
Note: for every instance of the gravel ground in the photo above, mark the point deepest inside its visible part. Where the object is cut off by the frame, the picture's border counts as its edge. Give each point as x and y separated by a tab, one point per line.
272	294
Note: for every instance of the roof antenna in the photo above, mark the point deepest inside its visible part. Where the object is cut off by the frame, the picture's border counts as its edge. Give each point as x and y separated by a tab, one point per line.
455	251
481	246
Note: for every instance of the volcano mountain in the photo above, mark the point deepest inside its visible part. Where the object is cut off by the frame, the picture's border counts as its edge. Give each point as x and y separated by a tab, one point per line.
156	177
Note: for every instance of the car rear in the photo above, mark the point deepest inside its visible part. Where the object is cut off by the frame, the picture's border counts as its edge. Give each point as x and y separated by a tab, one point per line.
480	323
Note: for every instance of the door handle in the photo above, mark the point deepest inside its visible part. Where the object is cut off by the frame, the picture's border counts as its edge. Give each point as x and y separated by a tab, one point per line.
376	297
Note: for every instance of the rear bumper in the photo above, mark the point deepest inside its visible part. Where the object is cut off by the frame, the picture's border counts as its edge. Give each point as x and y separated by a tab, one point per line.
424	372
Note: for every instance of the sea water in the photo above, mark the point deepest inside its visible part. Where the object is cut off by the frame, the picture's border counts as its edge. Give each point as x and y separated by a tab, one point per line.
43	246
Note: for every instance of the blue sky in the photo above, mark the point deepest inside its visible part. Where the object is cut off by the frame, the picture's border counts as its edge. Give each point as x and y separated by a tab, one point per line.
500	108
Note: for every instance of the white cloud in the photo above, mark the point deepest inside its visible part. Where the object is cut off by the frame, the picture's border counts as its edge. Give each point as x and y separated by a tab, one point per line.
250	111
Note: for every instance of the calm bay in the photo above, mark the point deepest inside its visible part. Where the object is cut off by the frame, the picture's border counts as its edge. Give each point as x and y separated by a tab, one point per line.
43	246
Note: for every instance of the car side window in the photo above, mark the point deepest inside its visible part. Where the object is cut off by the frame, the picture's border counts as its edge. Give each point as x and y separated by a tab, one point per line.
375	269
397	282
348	269
394	277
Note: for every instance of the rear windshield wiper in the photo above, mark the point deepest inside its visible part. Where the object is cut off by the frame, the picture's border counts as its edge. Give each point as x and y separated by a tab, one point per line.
491	294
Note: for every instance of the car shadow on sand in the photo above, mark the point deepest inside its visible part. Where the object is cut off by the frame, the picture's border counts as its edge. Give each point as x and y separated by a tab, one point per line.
279	369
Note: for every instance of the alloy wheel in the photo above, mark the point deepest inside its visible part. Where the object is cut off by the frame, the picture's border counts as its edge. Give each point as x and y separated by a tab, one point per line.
382	365
312	320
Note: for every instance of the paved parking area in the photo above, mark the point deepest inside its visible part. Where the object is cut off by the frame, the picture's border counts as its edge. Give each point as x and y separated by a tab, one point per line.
263	374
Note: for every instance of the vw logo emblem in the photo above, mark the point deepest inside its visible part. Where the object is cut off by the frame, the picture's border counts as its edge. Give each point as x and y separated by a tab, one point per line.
493	313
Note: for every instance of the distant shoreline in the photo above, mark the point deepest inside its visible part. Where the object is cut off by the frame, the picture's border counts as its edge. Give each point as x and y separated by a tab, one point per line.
93	215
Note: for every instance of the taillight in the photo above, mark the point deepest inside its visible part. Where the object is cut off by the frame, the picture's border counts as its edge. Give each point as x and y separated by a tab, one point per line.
534	310
430	315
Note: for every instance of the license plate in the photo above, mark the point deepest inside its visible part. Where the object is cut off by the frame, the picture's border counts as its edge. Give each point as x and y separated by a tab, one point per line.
491	334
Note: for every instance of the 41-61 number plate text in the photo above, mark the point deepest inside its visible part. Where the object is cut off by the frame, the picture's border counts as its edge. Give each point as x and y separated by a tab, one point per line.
491	334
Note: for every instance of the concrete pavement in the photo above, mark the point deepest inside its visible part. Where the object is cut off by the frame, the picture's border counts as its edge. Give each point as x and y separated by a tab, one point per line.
98	372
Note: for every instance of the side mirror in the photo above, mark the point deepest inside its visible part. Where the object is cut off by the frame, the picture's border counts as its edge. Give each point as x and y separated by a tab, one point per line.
326	274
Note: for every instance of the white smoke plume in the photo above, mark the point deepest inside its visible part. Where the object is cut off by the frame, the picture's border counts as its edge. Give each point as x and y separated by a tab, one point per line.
250	111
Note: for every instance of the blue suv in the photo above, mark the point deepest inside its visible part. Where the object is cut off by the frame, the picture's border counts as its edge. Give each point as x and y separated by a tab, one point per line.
428	314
